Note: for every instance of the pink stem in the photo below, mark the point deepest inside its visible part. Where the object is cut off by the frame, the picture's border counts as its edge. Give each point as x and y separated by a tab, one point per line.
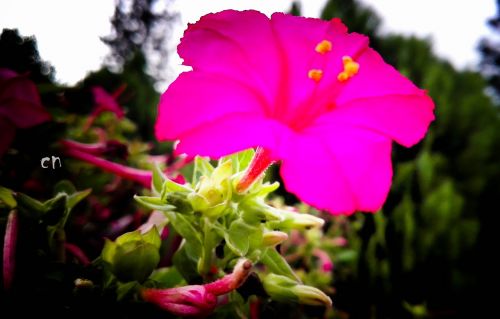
9	249
232	281
260	162
137	175
77	252
95	148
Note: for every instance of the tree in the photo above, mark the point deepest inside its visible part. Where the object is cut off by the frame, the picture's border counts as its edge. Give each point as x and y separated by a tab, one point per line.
140	27
490	50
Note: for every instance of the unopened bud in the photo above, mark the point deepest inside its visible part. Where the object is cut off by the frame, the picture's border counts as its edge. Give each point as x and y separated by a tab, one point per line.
133	256
284	289
192	300
273	238
293	220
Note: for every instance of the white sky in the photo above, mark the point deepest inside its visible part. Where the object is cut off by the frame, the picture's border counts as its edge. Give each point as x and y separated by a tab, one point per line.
68	31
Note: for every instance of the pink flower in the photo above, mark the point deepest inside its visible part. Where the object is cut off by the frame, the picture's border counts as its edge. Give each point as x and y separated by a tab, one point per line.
325	262
310	94
197	300
20	106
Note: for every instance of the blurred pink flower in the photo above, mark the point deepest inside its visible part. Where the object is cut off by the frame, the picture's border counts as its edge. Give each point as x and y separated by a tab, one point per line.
310	94
105	102
325	262
20	106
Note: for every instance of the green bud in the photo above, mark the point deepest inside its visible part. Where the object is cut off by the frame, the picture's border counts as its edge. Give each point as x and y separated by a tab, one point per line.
273	238
284	289
295	220
133	256
213	192
256	211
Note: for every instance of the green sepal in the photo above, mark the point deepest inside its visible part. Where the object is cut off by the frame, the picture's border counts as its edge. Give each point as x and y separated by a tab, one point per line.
155	203
277	264
7	197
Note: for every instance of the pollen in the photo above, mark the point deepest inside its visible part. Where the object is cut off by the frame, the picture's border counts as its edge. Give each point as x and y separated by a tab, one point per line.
324	47
315	74
350	69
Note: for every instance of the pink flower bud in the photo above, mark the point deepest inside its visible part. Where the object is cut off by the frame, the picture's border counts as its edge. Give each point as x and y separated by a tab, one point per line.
191	300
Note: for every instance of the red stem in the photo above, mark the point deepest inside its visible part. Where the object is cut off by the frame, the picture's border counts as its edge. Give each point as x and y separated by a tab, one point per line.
260	162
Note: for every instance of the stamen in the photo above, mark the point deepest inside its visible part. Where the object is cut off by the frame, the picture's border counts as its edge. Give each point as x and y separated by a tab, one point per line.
315	74
350	69
323	47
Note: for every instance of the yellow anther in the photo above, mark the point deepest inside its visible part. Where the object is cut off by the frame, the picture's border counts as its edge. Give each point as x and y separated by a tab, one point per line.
315	74
346	59
324	47
350	69
342	76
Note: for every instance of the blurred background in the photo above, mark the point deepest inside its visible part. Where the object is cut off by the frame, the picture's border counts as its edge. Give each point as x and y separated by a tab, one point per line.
426	255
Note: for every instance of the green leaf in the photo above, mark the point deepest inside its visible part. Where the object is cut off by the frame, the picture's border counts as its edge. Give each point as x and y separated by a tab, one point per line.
267	188
202	167
222	172
244	158
125	289
180	202
158	179
152	237
135	261
238	237
55	202
185	263
129	237
277	264
64	186
30	205
183	226
108	251
155	203
172	186
167	277
7	197
77	197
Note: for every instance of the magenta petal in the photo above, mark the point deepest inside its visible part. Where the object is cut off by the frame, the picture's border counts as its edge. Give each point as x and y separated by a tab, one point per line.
375	78
404	118
236	45
198	98
298	38
345	169
234	133
8	133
